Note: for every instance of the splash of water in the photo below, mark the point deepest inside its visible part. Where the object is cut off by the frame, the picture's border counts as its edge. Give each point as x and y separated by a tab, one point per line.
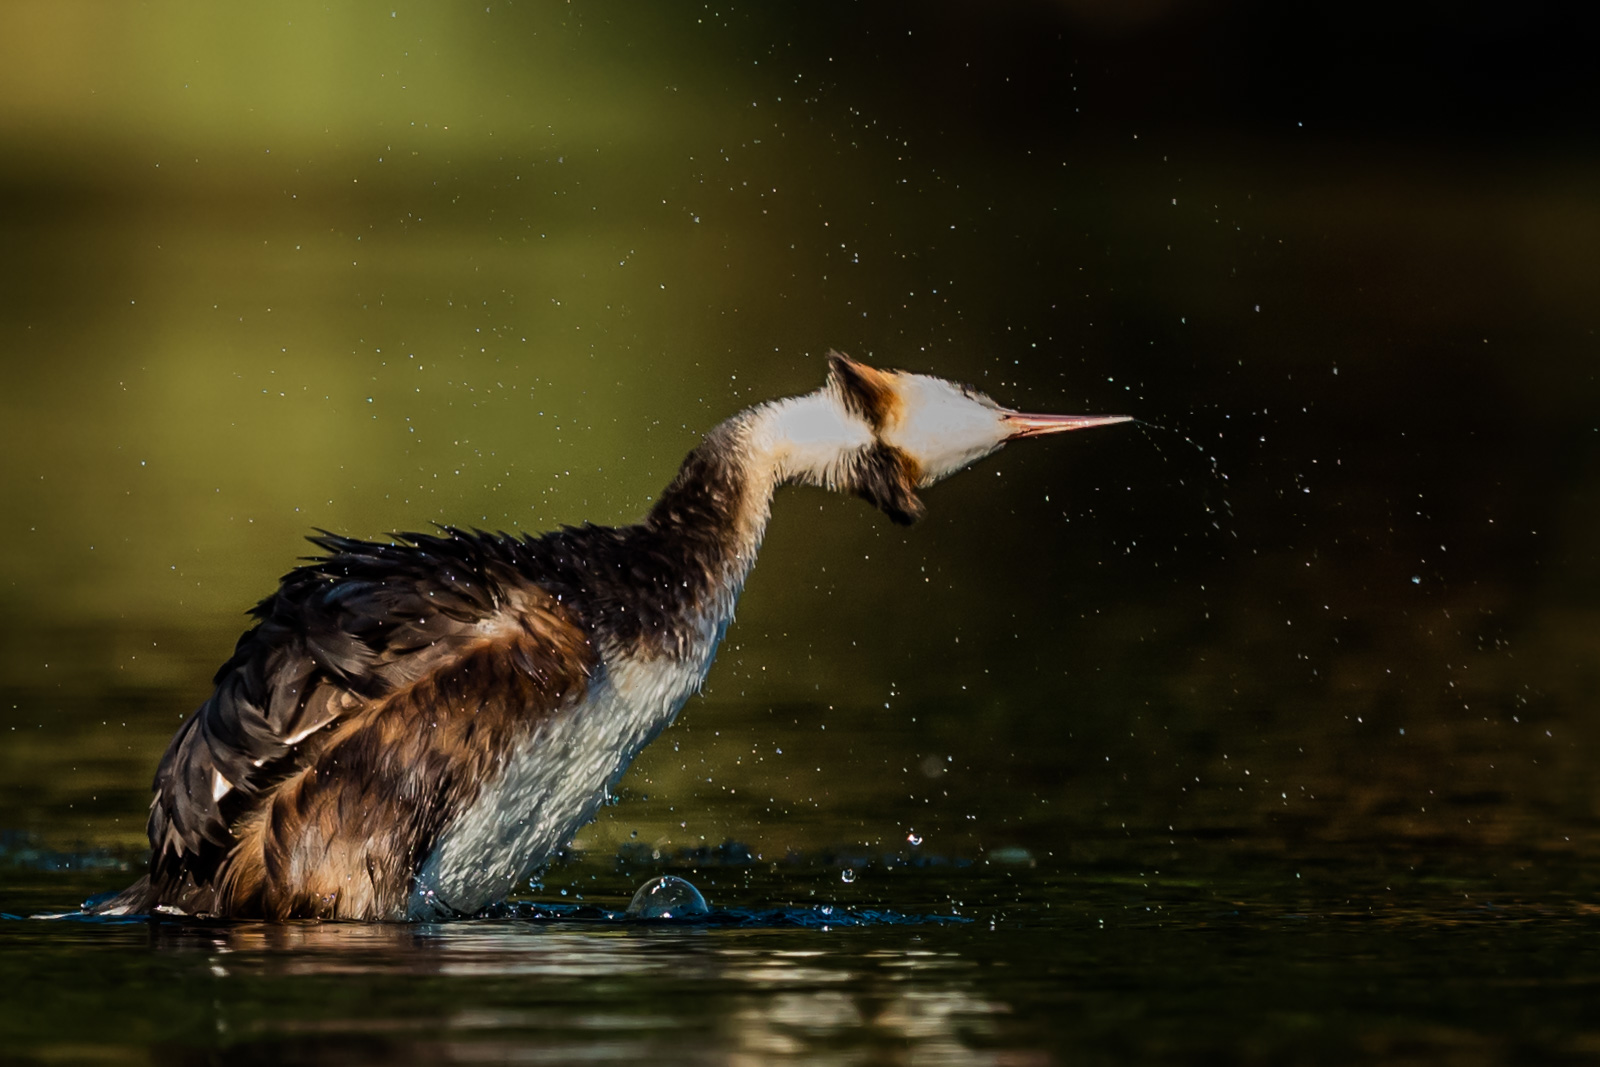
1223	510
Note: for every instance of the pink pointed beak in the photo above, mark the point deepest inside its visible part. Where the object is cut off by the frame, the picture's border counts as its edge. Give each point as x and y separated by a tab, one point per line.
1034	425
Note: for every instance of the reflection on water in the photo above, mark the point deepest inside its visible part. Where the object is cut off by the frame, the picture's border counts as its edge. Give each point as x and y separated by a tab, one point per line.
1061	967
931	1026
480	991
457	950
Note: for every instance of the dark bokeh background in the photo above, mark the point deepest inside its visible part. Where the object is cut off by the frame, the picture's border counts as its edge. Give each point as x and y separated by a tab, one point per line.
376	265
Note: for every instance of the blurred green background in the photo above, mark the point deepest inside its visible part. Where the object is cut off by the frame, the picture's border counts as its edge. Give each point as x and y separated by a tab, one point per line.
371	266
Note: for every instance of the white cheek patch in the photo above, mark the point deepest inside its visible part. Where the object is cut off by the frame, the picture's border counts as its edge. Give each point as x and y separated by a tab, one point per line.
941	427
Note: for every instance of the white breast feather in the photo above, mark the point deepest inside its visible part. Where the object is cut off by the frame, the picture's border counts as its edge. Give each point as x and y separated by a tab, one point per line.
555	781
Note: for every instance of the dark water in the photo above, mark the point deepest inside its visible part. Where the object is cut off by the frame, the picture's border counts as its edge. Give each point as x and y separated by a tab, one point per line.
1261	731
1319	965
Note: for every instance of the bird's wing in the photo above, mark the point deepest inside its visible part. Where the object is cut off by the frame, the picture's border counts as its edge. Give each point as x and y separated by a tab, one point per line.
340	638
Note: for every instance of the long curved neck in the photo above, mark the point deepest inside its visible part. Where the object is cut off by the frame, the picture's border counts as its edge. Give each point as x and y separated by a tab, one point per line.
716	509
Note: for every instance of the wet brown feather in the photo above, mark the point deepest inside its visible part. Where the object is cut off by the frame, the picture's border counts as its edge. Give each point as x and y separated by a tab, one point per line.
343	836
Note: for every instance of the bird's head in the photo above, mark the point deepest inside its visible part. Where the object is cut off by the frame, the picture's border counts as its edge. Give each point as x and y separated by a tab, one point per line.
902	432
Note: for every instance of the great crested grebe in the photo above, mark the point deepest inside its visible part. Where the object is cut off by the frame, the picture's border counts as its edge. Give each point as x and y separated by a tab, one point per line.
412	728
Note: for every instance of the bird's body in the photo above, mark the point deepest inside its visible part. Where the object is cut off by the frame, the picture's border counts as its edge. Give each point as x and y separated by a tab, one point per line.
413	727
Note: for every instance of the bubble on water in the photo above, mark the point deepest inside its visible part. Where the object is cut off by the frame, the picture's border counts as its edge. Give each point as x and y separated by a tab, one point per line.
667	897
914	838
847	875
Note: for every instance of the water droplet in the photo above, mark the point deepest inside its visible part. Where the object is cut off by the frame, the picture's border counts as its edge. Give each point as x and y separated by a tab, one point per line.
847	875
914	838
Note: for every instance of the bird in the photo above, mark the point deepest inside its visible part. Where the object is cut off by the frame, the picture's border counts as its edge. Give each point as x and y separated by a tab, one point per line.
412	727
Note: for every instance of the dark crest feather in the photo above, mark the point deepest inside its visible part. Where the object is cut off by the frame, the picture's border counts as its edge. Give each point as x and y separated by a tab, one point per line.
867	391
